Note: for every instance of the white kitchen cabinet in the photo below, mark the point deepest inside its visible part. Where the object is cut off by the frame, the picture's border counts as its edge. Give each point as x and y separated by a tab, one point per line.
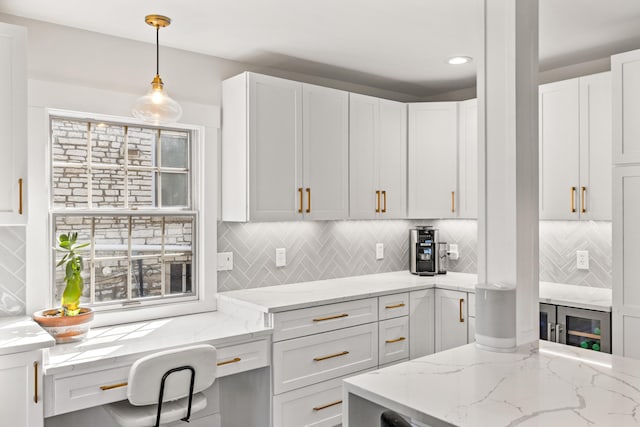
21	393
625	70
433	160
393	340
575	148
284	150
378	158
451	319
421	323
468	159
13	124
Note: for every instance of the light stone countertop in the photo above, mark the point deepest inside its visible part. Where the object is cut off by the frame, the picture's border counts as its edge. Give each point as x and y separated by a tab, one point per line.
127	342
558	385
20	334
273	299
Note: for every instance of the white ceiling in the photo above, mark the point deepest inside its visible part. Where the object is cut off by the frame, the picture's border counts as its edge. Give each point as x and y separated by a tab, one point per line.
399	45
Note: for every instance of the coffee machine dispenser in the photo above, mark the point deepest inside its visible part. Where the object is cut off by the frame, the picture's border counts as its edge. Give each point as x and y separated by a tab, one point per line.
423	251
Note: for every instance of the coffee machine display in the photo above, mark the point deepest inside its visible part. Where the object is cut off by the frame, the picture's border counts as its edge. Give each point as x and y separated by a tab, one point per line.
423	251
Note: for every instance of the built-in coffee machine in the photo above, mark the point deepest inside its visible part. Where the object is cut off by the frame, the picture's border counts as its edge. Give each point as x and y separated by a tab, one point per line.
427	256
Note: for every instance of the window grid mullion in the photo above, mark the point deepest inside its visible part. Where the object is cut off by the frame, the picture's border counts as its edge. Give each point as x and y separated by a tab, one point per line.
129	272
92	257
89	169
158	165
126	167
162	259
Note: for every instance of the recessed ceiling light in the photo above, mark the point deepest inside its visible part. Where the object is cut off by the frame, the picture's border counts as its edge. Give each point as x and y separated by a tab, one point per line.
459	60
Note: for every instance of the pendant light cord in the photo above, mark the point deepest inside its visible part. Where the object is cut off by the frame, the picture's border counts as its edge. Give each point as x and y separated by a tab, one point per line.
157	50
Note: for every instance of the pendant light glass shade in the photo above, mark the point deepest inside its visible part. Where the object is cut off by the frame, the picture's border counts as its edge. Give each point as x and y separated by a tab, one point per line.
156	106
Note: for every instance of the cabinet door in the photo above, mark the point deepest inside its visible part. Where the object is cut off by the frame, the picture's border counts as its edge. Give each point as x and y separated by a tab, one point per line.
451	319
392	159
595	147
325	151
421	323
363	135
21	397
13	124
559	123
433	159
625	70
275	146
626	268
468	159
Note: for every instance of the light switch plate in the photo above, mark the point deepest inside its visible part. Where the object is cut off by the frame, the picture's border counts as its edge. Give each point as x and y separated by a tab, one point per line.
281	257
379	250
582	260
225	261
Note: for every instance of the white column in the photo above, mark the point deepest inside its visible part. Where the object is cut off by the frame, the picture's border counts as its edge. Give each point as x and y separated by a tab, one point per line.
508	157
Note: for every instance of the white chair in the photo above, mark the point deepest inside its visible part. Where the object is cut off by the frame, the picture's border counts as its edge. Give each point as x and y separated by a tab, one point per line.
165	387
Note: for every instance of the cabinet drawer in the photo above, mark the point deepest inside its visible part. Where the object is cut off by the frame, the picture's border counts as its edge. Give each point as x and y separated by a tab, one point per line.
318	405
471	309
309	360
394	340
313	320
83	389
242	357
396	305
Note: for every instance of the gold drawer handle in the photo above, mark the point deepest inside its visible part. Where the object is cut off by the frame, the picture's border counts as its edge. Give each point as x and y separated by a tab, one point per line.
396	340
394	306
573	199
453	201
384	195
461	317
35	380
308	200
583	208
227	362
378	201
338	316
331	356
328	405
109	387
300	193
20	205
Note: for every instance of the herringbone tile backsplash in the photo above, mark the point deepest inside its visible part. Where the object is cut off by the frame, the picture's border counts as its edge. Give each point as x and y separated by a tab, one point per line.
330	249
12	271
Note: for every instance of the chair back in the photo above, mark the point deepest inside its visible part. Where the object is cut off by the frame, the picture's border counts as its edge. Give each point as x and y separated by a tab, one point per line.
145	375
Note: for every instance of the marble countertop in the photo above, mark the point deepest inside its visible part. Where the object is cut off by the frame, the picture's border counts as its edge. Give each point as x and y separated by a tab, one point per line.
129	341
19	334
274	299
556	385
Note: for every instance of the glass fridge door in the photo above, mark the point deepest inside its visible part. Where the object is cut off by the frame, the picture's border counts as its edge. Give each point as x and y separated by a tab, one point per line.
547	322
588	329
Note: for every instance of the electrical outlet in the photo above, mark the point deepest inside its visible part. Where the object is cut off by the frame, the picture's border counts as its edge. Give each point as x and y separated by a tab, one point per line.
379	250
281	257
225	261
582	260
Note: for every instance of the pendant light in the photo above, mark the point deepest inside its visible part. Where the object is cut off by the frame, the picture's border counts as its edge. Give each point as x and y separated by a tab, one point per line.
156	106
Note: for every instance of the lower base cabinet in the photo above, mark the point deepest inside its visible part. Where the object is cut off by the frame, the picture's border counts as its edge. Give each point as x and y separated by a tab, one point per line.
451	319
21	392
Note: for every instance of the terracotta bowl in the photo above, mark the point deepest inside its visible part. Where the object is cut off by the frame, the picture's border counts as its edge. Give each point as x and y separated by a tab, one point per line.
64	328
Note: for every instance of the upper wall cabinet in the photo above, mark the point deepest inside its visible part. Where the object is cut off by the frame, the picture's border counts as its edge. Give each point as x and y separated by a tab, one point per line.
468	159
575	148
433	160
625	68
284	150
13	124
377	158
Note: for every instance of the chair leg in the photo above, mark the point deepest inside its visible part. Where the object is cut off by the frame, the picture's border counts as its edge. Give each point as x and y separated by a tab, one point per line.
164	378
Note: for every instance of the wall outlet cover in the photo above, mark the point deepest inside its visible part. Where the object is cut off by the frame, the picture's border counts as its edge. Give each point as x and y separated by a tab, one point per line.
225	261
582	260
379	250
281	257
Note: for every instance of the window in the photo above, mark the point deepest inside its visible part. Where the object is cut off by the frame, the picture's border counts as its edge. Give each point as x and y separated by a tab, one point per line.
128	190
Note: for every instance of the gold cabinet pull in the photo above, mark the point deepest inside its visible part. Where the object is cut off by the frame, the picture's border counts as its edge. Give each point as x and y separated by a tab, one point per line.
300	193
394	306
337	316
308	200
573	199
112	386
20	196
227	362
461	302
396	340
583	191
35	380
453	201
328	405
378	201
330	356
384	205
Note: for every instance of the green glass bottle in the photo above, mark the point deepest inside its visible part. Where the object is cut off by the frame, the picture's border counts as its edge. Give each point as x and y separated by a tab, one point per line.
584	344
595	347
596	331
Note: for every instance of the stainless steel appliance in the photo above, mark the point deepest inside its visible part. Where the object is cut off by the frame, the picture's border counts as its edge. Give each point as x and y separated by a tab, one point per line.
578	327
423	251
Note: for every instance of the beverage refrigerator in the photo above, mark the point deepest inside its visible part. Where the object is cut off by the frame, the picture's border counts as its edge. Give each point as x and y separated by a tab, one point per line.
578	327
